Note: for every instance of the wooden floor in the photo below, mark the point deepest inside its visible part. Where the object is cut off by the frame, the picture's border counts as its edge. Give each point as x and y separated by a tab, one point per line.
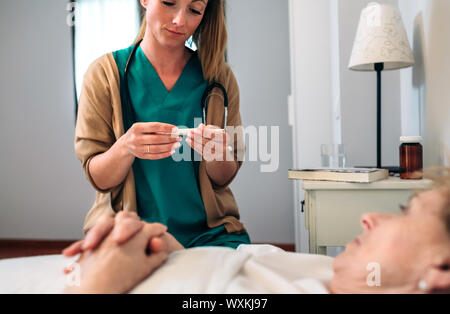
24	248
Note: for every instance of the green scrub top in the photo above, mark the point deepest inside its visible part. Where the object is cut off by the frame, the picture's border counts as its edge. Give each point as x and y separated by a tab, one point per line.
168	191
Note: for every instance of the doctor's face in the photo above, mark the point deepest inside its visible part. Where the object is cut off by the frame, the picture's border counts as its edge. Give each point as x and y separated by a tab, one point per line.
398	250
172	22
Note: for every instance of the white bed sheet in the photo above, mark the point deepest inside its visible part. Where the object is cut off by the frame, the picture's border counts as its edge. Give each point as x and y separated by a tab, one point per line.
249	269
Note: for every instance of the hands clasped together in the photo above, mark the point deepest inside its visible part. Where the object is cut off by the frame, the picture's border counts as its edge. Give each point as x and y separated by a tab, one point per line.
118	253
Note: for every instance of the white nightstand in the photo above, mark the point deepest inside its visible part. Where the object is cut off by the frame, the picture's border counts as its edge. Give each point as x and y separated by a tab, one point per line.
333	209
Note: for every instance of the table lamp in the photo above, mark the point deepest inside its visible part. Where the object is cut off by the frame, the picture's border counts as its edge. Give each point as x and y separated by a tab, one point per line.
381	44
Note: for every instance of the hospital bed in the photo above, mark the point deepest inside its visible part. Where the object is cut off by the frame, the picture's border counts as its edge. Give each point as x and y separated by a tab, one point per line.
249	269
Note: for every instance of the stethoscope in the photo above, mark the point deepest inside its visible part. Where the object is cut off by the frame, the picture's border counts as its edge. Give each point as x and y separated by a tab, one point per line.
129	106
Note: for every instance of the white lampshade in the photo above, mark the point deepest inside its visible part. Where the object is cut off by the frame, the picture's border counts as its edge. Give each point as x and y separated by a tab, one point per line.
381	38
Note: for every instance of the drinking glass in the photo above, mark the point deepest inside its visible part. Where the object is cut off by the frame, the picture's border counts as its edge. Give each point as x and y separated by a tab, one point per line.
332	156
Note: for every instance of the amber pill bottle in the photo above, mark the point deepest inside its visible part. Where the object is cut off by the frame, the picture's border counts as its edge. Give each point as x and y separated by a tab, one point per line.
411	158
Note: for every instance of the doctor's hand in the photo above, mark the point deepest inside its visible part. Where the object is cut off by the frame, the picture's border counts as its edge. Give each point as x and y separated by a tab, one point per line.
117	268
151	140
211	144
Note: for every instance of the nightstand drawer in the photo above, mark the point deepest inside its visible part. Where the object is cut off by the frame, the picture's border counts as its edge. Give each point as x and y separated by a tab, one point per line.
338	213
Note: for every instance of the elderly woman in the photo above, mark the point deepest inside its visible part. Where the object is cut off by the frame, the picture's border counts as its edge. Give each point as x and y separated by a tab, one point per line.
412	250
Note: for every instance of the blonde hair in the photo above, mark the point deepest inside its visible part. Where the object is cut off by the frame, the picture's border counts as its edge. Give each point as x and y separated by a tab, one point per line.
441	179
210	37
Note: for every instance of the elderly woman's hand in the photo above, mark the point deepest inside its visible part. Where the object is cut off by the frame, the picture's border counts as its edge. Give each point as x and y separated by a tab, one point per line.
123	227
117	268
102	228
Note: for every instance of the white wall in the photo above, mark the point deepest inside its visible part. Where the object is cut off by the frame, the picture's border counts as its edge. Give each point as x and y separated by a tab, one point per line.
258	53
359	100
43	192
425	93
312	97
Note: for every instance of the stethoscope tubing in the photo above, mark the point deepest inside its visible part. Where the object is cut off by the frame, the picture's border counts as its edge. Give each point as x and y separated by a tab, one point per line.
206	94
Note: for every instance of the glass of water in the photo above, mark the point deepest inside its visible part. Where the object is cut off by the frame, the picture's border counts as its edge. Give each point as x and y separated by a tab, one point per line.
332	156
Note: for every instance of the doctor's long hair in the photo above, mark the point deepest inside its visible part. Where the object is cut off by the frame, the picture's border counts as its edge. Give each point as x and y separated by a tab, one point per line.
210	37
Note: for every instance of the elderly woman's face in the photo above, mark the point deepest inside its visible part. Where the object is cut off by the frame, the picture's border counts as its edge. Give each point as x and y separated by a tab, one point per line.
172	22
396	251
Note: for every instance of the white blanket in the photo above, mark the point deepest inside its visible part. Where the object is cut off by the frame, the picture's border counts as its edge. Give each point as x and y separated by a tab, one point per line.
249	269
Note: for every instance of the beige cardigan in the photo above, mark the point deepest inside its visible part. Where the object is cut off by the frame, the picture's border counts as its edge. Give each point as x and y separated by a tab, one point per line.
100	125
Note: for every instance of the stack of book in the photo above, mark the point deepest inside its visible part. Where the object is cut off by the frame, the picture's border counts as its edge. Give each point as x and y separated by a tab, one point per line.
357	175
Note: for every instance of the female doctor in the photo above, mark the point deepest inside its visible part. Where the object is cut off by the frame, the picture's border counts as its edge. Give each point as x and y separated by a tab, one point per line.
130	164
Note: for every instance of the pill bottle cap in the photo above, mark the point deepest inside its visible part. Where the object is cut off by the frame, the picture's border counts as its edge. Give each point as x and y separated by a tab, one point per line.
410	139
